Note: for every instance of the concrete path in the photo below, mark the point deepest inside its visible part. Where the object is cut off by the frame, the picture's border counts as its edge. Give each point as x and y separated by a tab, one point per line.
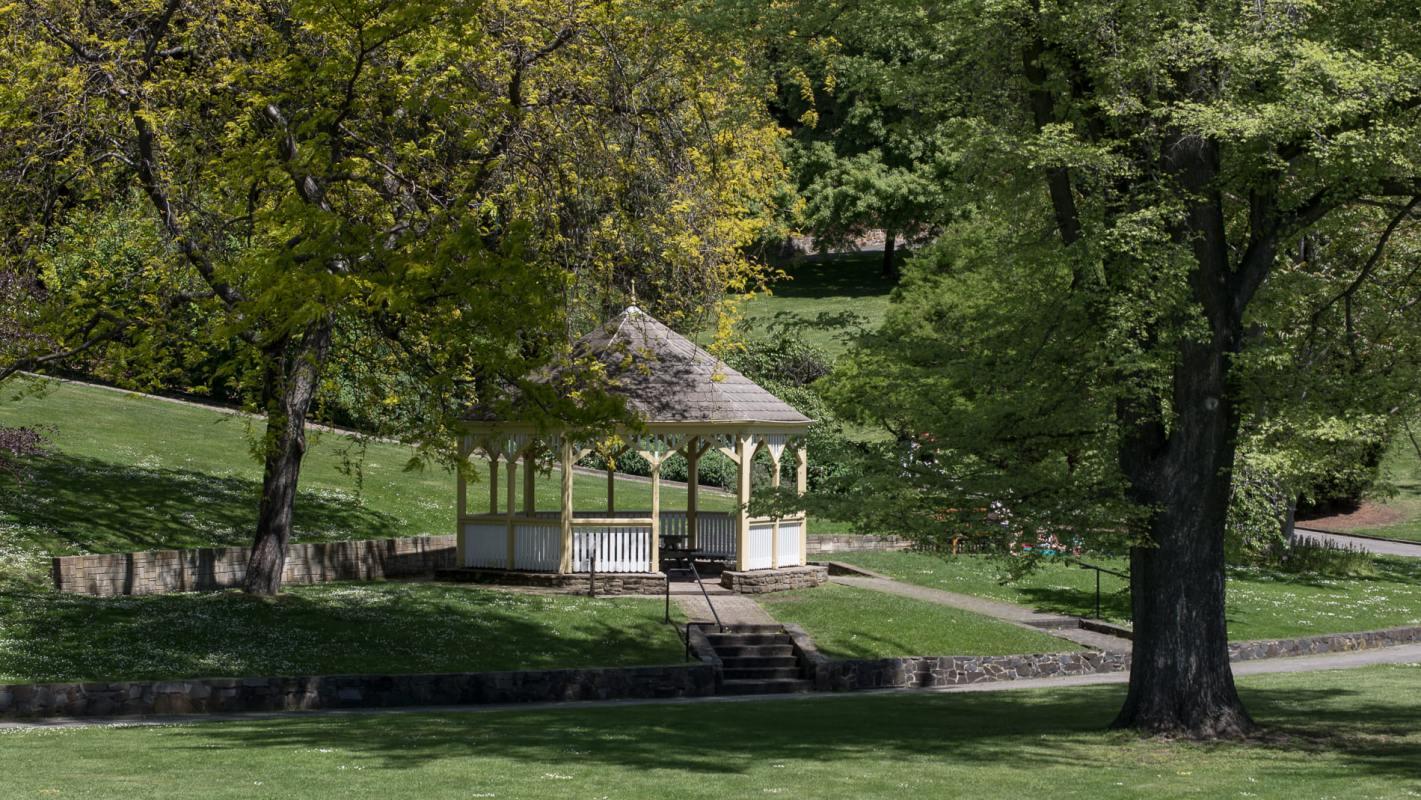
1059	625
732	608
1380	547
1404	654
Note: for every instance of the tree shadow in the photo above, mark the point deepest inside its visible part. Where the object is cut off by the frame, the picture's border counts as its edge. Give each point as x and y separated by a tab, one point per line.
840	276
1023	730
1114	604
74	504
373	628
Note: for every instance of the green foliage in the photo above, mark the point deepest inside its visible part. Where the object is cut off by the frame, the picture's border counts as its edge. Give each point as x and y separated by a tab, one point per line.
1257	510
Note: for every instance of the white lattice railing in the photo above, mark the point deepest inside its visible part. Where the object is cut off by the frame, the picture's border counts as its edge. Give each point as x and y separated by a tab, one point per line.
537	548
618	548
486	544
788	553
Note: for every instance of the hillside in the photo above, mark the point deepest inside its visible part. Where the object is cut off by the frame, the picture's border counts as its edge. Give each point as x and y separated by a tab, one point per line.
131	472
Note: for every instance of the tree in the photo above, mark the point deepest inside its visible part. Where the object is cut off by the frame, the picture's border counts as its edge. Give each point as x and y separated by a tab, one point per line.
1189	224
418	195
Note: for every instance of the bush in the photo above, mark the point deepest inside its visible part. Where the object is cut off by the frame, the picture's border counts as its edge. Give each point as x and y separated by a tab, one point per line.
1257	509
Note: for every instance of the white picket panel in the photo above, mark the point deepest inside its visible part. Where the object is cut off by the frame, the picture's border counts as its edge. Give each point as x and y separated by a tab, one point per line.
715	534
759	554
621	548
536	547
789	555
485	544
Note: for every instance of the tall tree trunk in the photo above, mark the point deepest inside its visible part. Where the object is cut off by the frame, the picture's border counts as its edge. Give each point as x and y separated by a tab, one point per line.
293	371
1181	683
890	264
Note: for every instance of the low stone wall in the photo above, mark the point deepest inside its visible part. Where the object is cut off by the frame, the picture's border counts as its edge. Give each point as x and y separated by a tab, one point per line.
926	672
1324	643
229	695
214	568
819	543
608	583
759	581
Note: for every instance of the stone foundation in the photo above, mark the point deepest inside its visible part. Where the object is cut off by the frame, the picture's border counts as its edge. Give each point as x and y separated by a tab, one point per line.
759	581
232	695
608	583
214	568
819	543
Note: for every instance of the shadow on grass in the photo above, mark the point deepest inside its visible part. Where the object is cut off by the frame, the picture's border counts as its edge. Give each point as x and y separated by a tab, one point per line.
71	504
1014	729
839	276
403	627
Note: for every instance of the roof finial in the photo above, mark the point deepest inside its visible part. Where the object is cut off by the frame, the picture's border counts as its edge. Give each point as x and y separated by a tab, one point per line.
632	309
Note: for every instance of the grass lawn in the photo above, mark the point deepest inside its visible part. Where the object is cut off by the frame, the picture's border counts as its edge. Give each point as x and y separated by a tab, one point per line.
848	622
327	629
1345	734
1403	467
822	294
1262	604
133	473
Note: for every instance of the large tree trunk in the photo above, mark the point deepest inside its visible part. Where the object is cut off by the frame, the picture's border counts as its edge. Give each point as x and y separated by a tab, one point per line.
293	370
1181	683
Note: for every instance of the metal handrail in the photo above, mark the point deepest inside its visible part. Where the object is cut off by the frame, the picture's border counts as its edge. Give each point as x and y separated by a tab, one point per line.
1099	569
695	573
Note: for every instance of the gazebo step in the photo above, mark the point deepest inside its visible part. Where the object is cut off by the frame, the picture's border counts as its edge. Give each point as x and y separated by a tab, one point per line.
757	662
790	672
754	651
718	640
782	686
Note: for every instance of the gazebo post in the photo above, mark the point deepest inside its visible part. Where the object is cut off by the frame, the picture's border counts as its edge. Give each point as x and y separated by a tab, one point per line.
775	531
742	499
656	515
493	483
461	502
565	458
611	488
801	485
512	502
693	466
529	491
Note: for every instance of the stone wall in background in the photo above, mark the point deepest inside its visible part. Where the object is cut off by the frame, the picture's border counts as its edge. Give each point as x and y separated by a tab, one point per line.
213	568
843	543
230	695
1324	643
783	579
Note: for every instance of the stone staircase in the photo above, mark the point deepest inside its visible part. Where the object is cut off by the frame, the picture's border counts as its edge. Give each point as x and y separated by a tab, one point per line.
757	659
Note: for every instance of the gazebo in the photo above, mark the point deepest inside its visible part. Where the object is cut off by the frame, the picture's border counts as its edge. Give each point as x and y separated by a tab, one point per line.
688	402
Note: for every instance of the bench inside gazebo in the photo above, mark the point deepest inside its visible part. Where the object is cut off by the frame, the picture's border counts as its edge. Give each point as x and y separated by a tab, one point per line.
688	402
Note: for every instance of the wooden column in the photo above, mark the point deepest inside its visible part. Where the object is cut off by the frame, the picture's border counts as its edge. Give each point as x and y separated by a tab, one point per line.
493	484
461	504
693	480
742	499
529	491
611	489
801	485
512	501
565	565
775	531
656	515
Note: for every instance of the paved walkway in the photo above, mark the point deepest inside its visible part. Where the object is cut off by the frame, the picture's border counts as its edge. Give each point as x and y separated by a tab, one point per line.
1404	654
1380	547
733	609
1059	625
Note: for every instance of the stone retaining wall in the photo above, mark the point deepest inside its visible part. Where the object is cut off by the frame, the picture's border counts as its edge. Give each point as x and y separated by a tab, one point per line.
1325	643
782	579
214	568
818	543
228	695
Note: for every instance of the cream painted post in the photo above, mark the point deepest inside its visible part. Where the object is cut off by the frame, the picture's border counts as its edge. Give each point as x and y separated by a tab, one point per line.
512	501
693	479
529	492
775	531
565	456
656	515
742	499
493	483
461	504
611	489
801	485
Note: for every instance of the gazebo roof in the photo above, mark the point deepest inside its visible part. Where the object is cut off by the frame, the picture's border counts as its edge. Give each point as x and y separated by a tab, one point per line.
666	378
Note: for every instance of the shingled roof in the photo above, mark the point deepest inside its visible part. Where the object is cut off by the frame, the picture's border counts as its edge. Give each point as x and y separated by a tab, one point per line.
666	378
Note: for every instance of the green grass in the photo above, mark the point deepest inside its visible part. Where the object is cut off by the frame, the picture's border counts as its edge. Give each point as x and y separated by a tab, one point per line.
322	630
1262	604
133	473
829	299
1402	466
1344	734
848	622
